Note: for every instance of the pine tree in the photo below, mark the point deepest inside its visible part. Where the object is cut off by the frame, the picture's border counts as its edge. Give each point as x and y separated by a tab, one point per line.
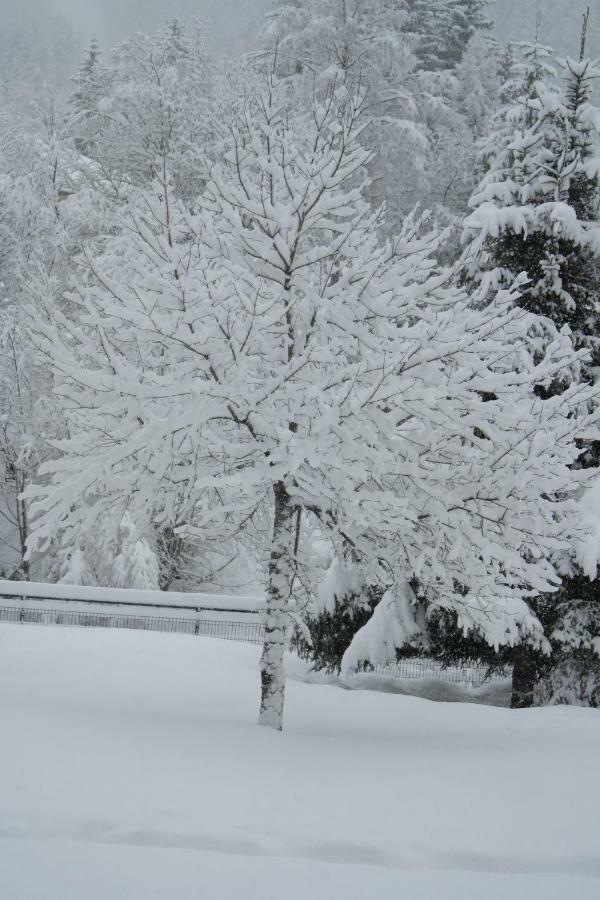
88	82
91	84
343	604
574	677
136	564
529	73
442	29
478	80
537	212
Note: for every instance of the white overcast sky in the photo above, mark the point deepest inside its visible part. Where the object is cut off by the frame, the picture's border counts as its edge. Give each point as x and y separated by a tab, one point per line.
233	22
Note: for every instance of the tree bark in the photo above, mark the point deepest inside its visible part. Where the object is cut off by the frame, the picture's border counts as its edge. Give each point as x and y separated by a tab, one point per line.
524	678
272	672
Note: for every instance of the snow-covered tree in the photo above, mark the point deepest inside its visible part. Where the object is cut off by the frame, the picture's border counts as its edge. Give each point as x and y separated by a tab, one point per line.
392	625
148	108
456	110
21	440
351	43
478	83
418	118
88	82
341	605
270	357
536	208
574	677
355	45
136	564
537	211
36	238
91	85
442	29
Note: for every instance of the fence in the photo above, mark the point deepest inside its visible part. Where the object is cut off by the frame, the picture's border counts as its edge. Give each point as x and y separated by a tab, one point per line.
246	632
470	676
110	598
416	668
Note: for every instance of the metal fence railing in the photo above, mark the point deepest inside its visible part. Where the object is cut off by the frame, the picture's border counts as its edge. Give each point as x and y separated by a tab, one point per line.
414	668
247	632
469	675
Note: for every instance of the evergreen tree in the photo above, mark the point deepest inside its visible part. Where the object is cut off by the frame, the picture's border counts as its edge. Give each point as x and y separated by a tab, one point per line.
136	564
442	29
478	84
91	85
39	232
456	108
343	604
574	677
537	212
528	72
88	82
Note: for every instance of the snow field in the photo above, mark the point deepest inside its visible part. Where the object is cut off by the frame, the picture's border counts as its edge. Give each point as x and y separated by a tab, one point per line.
131	767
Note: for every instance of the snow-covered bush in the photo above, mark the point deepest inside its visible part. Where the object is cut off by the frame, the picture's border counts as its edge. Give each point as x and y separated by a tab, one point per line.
343	604
136	564
392	625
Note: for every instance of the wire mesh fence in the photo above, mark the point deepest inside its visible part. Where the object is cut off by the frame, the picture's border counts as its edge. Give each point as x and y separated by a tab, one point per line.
471	675
415	668
246	632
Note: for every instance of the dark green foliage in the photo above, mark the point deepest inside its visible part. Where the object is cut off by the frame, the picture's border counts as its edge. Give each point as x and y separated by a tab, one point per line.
529	666
331	633
584	190
569	673
541	256
541	174
553	167
574	631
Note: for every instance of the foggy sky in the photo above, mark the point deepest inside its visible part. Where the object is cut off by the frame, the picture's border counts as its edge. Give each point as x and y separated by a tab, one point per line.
560	23
233	23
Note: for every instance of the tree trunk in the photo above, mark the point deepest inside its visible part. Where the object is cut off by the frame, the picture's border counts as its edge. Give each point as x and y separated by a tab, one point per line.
272	672
524	678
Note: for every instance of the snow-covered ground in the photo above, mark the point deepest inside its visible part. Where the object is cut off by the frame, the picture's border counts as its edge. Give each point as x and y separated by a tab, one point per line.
131	767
